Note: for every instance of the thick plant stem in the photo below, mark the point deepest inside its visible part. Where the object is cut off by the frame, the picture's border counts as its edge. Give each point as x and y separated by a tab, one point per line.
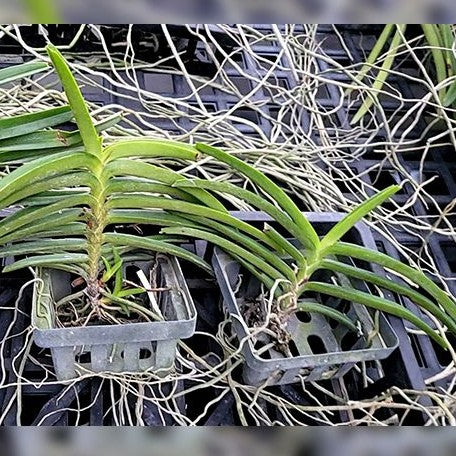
96	223
95	161
94	241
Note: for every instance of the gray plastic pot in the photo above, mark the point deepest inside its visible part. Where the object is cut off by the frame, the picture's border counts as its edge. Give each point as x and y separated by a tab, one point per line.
325	350
131	347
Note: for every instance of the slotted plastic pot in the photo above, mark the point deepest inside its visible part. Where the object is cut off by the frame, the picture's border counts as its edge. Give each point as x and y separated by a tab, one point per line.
324	350
129	347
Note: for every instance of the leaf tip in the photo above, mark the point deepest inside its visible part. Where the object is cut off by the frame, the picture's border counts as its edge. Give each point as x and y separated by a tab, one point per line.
52	52
356	119
393	189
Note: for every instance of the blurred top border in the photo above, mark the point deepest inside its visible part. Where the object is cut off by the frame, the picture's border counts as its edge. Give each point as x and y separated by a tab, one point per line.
227	11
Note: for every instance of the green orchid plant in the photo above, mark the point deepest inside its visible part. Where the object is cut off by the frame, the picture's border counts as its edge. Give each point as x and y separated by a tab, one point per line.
290	268
71	192
439	37
68	199
27	136
18	133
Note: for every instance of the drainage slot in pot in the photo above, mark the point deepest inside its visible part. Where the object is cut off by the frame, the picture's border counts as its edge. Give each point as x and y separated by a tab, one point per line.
293	348
316	344
304	317
349	340
145	353
84	357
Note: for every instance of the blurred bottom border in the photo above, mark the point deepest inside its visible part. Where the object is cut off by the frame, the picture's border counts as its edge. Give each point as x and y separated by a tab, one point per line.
210	441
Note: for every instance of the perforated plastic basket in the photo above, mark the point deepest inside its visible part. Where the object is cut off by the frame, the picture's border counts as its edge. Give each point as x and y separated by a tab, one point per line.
325	350
131	347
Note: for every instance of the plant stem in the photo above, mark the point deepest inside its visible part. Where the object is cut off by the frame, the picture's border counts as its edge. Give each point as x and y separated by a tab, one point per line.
96	223
95	161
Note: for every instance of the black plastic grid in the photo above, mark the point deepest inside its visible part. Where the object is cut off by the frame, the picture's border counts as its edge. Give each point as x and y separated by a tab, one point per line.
45	403
417	359
429	358
439	164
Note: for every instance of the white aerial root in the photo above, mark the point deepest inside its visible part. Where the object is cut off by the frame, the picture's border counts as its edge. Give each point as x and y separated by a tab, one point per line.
300	140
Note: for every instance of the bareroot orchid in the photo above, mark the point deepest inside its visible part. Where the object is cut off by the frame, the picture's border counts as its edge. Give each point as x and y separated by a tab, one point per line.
72	194
291	267
69	200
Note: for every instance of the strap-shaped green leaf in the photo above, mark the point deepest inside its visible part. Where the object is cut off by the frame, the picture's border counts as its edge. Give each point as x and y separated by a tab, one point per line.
47	141
450	61
155	245
36	214
110	271
375	53
118	280
382	75
285	246
158	202
309	235
260	203
151	148
263	278
395	287
315	307
64	261
43	246
124	167
251	198
280	245
375	302
89	135
23	70
416	276
67	180
129	185
42	168
11	127
250	244
51	197
64	230
146	217
431	33
353	217
21	157
51	222
228	247
450	96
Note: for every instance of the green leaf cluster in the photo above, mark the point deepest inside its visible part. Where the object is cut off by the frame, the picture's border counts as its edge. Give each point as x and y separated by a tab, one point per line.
440	37
71	192
293	266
